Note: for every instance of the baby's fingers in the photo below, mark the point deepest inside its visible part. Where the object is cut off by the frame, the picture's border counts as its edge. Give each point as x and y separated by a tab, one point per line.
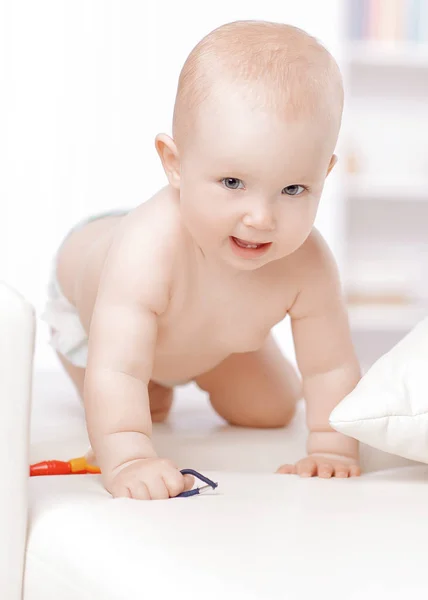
176	482
158	489
189	481
307	467
355	471
137	490
287	469
325	470
341	471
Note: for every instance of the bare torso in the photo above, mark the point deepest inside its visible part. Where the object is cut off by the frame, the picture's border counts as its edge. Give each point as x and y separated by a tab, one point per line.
208	317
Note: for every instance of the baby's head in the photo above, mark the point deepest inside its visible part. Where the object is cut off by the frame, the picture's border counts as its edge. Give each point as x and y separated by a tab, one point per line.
256	121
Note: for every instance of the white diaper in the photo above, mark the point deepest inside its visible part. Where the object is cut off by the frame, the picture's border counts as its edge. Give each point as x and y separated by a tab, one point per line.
69	338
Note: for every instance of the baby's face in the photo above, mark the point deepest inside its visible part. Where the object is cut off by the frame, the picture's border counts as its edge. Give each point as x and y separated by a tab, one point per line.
250	184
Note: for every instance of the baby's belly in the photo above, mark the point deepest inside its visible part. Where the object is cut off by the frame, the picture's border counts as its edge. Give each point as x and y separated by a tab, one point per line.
181	363
176	369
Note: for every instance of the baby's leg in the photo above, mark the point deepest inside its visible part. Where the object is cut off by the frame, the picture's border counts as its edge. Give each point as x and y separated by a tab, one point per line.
254	389
160	397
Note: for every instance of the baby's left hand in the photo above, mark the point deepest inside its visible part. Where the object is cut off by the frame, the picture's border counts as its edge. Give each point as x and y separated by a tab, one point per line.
323	465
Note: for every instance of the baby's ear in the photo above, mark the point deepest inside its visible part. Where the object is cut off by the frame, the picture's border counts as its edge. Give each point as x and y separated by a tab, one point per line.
168	153
333	161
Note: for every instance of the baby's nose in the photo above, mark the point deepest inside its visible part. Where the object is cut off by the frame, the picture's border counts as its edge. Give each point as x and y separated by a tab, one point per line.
260	216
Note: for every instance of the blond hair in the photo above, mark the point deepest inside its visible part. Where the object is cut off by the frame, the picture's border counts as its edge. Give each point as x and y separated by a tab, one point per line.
279	67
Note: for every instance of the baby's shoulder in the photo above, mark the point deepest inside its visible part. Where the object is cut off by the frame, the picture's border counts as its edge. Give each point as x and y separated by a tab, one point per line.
159	213
154	225
315	274
148	238
143	255
312	254
312	262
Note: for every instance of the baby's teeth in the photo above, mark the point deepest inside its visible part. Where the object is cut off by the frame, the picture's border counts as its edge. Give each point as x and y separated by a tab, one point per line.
246	245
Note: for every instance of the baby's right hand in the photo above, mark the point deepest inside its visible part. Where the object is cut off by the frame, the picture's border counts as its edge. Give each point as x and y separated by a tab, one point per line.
148	479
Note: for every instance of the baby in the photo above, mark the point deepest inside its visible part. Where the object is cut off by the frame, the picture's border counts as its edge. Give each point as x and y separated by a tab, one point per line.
188	285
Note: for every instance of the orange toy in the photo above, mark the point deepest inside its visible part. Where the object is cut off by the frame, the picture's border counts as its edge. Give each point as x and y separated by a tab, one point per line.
75	466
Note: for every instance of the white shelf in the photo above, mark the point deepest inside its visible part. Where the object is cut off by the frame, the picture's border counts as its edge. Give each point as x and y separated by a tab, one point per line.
387	89
384	54
385	317
366	188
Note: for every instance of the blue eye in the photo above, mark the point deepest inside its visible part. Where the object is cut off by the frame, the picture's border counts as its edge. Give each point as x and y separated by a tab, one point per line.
294	190
232	183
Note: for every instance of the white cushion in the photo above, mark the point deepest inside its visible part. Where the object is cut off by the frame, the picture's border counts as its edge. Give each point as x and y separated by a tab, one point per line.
259	536
17	330
388	409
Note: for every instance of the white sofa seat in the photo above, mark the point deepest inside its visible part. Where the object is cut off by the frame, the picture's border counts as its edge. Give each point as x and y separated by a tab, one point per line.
260	535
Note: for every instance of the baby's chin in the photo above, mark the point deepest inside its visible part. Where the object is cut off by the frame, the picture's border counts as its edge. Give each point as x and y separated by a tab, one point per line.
243	264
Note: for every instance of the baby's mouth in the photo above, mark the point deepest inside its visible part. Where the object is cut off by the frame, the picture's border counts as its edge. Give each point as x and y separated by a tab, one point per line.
248	250
249	245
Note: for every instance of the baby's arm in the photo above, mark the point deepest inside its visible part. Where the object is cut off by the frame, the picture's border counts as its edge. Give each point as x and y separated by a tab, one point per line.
133	291
326	359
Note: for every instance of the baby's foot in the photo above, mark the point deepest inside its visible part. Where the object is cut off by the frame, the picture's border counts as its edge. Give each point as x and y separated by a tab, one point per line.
91	458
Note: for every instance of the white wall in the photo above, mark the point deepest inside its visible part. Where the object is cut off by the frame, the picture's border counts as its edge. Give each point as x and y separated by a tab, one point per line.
86	85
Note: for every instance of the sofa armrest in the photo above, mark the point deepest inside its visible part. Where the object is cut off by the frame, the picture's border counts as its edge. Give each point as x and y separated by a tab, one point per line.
17	333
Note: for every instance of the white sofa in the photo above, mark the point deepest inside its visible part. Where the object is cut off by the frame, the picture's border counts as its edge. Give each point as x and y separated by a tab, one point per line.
17	330
260	535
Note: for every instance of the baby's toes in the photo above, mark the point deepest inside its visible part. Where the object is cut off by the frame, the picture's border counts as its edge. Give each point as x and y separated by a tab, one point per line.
325	471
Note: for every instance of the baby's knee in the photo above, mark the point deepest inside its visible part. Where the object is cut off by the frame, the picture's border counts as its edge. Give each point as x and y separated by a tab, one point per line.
160	402
159	416
281	419
269	419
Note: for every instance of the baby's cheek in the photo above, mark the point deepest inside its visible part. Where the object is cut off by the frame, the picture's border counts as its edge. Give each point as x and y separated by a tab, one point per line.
295	234
304	223
201	221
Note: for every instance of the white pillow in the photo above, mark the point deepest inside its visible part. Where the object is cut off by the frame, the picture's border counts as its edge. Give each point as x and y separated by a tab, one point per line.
388	409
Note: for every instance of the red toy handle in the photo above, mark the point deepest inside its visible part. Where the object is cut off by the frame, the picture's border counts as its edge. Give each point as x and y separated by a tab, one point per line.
50	467
75	466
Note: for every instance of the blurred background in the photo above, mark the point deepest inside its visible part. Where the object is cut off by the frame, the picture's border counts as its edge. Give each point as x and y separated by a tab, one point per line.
86	85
